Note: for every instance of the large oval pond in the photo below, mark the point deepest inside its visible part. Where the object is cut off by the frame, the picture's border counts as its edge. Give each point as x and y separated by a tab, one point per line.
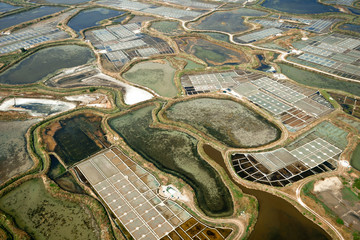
299	6
46	61
227	121
175	153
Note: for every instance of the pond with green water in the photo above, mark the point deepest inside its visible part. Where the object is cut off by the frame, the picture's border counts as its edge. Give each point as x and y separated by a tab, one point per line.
211	53
14	157
227	21
227	121
45	217
176	153
316	80
159	76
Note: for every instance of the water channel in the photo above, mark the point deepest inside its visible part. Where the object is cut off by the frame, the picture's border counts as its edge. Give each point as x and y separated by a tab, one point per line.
277	219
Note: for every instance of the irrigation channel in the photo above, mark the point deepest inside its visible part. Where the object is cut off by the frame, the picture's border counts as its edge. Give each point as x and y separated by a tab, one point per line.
277	218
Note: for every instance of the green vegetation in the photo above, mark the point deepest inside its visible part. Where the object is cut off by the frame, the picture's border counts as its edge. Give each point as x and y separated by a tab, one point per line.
357	183
176	153
355	158
356	235
339	221
317	80
349	195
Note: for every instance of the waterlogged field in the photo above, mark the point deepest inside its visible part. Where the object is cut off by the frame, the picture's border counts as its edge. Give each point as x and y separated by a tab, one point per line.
317	80
171	28
75	138
212	54
229	21
45	217
225	120
44	62
176	153
157	75
91	18
14	158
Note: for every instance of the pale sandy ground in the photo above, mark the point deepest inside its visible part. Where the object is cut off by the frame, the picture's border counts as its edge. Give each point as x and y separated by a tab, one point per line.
331	183
132	94
91	100
56	105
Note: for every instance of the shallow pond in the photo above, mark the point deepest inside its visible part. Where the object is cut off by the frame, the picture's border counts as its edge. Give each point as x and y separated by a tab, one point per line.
218	36
317	80
18	18
37	107
159	76
46	217
68	183
14	158
168	27
225	120
229	21
4	7
212	54
277	219
91	18
350	27
299	6
176	153
44	62
76	137
263	66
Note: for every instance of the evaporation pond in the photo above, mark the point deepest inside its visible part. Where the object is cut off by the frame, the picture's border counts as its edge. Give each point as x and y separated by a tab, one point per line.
91	18
226	120
299	6
76	137
228	21
351	27
45	62
4	7
14	158
159	76
176	153
32	14
45	217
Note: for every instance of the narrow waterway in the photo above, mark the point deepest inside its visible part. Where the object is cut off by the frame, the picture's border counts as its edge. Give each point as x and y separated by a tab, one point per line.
278	219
